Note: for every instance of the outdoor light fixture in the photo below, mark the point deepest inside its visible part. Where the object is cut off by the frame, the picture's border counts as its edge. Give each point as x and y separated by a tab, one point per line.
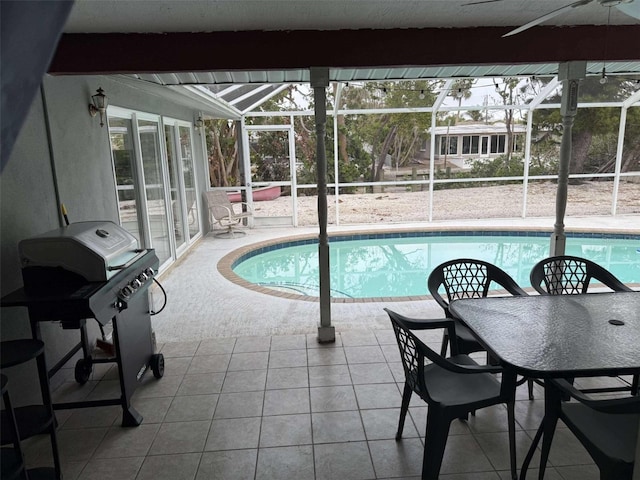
607	3
603	77
98	105
421	96
199	123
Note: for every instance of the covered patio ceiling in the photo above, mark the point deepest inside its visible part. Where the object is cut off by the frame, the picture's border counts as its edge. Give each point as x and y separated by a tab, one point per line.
144	16
263	45
276	41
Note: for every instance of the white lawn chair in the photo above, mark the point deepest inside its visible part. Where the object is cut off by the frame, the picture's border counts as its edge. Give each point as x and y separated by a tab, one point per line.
222	213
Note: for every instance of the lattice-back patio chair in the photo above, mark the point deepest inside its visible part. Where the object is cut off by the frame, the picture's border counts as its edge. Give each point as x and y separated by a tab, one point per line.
451	387
608	428
468	278
570	275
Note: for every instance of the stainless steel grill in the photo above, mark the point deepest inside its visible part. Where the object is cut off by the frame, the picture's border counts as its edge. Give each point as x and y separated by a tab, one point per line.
93	270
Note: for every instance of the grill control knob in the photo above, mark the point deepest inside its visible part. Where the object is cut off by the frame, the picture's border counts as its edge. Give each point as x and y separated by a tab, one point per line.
135	284
150	272
126	292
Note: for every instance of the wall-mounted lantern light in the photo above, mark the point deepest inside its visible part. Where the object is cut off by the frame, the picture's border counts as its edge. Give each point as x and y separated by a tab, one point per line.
98	105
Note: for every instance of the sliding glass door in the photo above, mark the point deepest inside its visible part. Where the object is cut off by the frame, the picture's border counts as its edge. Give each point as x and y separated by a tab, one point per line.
155	181
189	180
154	188
124	165
184	198
177	202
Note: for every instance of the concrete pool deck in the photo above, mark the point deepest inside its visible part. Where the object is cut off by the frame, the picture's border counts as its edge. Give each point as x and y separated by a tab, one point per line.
203	304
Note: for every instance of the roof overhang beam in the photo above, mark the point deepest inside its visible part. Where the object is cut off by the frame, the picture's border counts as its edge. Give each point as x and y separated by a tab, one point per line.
191	52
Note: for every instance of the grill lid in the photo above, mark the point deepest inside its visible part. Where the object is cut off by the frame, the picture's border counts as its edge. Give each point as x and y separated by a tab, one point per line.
93	250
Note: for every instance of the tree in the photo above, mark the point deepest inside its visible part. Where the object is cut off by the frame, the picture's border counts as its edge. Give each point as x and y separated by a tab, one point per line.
509	95
595	130
398	135
461	89
222	140
222	148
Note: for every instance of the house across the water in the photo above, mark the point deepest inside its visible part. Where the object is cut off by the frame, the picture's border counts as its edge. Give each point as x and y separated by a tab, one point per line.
458	145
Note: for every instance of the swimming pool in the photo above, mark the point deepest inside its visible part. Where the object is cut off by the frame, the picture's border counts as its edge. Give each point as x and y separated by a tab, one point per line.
397	264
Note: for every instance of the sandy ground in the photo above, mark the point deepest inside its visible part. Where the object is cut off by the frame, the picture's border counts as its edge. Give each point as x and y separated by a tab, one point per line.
505	201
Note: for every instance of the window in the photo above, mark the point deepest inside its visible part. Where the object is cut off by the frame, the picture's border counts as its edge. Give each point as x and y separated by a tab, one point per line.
518	143
485	145
498	143
452	143
470	144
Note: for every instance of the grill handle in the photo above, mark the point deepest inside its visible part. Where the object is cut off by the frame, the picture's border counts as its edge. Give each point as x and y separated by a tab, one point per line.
140	254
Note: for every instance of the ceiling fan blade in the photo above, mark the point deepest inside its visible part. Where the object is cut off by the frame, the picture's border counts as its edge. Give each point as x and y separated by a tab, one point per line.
632	9
546	17
480	2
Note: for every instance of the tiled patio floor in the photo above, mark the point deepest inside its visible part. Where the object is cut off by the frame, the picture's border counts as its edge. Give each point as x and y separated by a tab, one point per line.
248	393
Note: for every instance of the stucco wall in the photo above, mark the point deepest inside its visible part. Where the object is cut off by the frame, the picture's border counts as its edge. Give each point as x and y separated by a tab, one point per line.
27	204
75	159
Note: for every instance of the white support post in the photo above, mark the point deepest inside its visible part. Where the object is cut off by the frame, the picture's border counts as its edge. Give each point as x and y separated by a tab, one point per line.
432	161
246	163
320	82
619	148
432	154
293	171
527	162
551	86
336	146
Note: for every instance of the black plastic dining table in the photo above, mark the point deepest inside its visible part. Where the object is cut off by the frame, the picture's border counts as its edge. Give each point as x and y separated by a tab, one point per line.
555	336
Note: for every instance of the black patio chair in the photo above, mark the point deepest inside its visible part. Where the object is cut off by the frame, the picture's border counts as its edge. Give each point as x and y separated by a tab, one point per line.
569	275
451	387
468	278
608	428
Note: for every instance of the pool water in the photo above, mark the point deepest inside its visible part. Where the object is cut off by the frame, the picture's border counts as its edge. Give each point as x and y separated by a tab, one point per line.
398	266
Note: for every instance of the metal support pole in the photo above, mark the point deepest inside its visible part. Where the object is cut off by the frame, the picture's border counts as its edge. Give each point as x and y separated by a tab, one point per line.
558	238
570	74
320	82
